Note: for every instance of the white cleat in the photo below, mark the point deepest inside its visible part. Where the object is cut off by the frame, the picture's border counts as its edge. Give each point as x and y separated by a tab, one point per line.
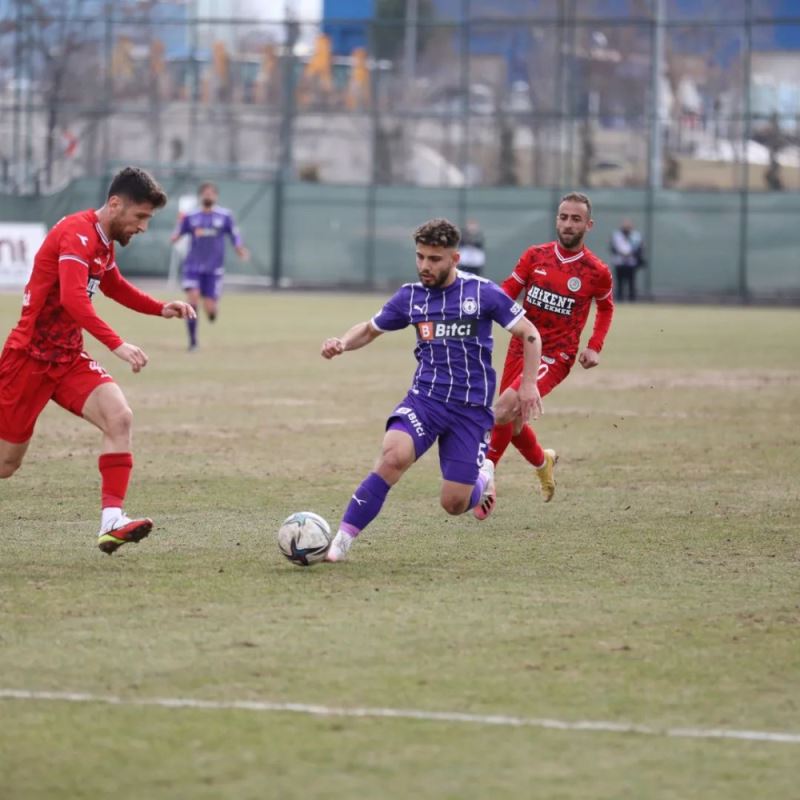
339	548
489	497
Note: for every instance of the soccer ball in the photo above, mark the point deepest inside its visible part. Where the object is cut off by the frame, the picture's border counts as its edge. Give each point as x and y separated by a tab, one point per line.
304	538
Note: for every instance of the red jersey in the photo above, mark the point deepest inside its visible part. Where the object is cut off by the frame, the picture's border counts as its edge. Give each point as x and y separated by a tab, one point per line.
558	287
75	259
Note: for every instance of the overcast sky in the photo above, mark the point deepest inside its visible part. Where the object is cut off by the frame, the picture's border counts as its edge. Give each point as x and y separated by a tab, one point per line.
262	9
306	9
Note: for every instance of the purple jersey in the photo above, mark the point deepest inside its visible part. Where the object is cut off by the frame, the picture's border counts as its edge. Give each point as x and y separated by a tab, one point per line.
454	335
208	230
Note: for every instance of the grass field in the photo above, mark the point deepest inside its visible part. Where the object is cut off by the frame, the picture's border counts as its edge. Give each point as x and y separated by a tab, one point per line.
660	588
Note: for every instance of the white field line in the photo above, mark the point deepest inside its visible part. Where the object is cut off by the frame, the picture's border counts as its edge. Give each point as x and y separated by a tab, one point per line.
401	713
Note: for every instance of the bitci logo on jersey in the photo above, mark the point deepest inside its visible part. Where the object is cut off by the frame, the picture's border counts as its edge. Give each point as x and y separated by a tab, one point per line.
457	329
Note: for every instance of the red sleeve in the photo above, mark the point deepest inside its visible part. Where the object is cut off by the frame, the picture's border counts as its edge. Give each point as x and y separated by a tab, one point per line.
511	286
73	277
516	281
604	314
113	285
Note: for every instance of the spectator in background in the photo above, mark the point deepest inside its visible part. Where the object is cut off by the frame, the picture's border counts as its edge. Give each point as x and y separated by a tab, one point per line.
627	256
473	255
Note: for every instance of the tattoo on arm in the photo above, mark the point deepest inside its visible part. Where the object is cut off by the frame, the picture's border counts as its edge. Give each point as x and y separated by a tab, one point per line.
531	338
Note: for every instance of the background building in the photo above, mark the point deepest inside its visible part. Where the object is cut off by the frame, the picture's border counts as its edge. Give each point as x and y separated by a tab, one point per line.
351	115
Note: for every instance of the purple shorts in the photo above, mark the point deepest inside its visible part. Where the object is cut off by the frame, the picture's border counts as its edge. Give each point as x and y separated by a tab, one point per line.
209	283
462	432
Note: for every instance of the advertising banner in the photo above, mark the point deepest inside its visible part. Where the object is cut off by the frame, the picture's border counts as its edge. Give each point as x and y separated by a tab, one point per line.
19	242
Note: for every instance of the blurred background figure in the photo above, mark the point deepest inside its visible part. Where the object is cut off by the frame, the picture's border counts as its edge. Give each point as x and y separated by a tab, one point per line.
204	265
180	247
627	256
472	249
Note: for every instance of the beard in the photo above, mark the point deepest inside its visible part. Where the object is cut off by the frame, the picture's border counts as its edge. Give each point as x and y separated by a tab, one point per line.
208	203
570	241
434	281
120	237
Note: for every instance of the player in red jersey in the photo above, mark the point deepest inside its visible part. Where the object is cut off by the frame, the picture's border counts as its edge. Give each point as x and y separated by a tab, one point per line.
44	359
558	282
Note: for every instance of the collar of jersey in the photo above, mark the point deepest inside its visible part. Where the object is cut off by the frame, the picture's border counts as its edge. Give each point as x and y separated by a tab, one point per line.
564	259
102	233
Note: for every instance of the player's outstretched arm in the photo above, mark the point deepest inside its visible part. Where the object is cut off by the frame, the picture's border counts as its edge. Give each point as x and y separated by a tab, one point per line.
530	401
177	308
358	336
134	355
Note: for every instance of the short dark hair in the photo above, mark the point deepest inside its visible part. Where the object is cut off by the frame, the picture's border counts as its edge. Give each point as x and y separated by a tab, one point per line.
577	197
438	233
139	186
207	185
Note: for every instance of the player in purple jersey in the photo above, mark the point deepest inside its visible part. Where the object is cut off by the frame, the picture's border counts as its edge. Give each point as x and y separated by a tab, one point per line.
451	394
205	262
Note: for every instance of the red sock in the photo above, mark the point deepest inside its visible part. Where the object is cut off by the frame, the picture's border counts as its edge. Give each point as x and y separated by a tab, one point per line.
115	472
527	443
501	439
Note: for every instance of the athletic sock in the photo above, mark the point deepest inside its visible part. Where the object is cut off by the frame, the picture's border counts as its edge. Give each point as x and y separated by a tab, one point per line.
365	504
109	516
191	324
501	438
477	489
527	443
115	473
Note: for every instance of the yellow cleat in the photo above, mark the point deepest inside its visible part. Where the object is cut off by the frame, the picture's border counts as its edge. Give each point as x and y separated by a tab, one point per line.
546	475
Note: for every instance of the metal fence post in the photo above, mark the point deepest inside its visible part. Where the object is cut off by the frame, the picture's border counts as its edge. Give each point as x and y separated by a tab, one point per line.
744	206
284	166
464	31
656	142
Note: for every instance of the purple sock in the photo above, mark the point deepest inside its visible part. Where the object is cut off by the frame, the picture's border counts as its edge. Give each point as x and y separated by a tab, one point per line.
477	490
365	504
192	325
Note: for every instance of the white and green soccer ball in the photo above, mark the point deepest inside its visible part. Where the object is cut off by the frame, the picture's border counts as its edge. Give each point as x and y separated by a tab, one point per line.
304	538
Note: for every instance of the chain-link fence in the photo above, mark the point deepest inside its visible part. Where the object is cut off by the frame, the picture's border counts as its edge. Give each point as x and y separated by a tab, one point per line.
684	115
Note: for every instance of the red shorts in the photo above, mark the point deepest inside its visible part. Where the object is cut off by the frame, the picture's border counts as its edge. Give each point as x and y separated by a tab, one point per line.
551	372
26	385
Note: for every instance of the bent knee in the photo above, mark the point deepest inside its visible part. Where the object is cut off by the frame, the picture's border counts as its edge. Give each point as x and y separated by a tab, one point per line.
395	461
120	420
454	505
503	418
8	468
505	413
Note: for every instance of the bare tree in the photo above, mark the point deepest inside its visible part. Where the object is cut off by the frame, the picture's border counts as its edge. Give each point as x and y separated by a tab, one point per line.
64	56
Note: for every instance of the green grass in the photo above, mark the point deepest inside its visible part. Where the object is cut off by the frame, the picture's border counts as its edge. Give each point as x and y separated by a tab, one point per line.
660	587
